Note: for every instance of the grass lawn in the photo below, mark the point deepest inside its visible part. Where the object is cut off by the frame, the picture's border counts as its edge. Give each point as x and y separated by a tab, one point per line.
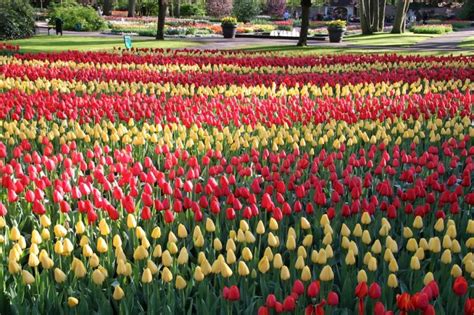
59	43
468	43
387	39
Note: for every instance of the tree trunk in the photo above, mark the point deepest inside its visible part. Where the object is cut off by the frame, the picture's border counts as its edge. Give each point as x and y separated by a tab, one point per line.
305	7
107	7
381	21
400	17
160	32
176	8
131	7
374	15
365	18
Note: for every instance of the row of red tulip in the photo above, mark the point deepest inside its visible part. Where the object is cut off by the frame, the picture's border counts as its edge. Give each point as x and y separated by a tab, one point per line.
238	58
201	110
223	78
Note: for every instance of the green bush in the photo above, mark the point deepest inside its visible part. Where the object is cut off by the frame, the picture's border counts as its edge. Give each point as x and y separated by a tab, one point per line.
191	10
246	10
76	17
16	19
431	29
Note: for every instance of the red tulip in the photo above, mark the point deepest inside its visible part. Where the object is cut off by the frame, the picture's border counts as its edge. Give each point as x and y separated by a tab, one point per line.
460	286
333	298
469	307
313	289
289	304
420	300
271	300
379	308
263	310
298	287
233	293
404	302
375	291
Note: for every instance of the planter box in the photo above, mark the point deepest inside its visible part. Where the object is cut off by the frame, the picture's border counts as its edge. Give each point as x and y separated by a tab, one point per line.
336	34
229	31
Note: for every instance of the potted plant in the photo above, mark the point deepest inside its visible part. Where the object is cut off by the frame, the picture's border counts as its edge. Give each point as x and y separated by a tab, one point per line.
336	30
229	27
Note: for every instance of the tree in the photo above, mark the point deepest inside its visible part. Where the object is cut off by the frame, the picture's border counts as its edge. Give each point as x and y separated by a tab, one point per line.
107	7
160	32
131	7
219	8
305	7
400	17
372	15
246	10
276	7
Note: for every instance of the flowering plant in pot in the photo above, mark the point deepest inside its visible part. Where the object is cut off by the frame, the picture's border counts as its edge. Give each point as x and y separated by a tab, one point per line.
229	26
336	30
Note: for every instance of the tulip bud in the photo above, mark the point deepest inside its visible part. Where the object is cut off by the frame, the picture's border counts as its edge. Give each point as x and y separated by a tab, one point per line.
36	237
156	233
59	275
264	264
147	276
306	274
180	283
456	271
15	234
243	269
284	273
80	227
365	218
392	281
72	301
305	225
273	224
27	277
98	277
118	293
260	228
198	274
247	254
182	232
361	276
428	278
326	274
45	221
104	227
131	221
183	256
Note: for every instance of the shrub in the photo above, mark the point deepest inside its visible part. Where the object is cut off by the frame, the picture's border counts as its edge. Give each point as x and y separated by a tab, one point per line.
431	29
246	10
16	19
218	8
276	7
191	10
76	17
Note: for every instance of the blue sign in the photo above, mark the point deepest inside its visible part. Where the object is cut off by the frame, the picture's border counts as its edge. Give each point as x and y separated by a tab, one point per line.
127	41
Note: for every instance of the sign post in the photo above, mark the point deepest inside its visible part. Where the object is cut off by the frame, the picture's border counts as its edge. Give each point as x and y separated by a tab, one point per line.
127	40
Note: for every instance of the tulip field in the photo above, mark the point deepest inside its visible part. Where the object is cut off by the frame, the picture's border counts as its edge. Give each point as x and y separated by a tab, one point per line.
227	182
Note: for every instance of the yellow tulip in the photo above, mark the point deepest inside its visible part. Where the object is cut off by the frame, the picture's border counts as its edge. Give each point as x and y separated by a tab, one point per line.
306	274
98	277
264	264
392	281
59	275
180	283
102	246
198	274
147	276
27	277
118	293
326	273
72	302
243	269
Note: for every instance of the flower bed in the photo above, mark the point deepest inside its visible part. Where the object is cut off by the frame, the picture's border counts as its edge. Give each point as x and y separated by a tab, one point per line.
172	181
431	29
